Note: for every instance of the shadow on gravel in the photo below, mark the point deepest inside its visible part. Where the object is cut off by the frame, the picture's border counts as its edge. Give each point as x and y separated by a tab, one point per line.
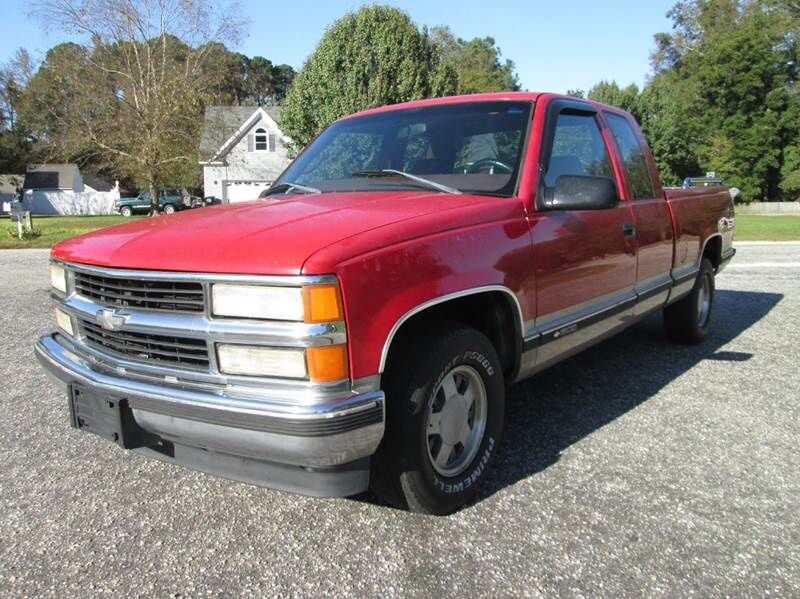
550	412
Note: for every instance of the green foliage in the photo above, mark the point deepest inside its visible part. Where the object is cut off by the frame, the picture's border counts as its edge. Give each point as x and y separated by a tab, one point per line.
247	81
27	234
790	172
609	92
724	96
476	62
373	57
666	107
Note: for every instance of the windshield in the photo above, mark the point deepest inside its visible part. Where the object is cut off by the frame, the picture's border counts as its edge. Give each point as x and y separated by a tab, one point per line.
472	147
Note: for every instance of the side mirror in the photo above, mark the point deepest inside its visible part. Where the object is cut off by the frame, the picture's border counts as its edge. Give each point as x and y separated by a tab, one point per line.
581	192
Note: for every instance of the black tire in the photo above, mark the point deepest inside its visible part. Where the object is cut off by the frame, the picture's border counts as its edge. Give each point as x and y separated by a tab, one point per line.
687	321
169	209
126	211
404	473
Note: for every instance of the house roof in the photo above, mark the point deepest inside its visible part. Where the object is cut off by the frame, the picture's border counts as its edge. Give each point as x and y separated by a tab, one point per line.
222	122
97	182
9	183
50	176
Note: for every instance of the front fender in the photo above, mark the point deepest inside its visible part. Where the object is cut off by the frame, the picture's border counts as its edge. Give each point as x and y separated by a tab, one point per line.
382	289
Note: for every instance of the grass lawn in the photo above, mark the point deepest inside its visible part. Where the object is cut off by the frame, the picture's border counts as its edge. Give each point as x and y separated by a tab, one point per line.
749	227
754	227
54	229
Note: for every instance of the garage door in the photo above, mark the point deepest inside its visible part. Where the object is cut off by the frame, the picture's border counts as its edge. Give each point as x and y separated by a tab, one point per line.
242	191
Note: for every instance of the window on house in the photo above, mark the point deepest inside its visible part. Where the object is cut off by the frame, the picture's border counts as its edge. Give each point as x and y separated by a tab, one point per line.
271	139
261	140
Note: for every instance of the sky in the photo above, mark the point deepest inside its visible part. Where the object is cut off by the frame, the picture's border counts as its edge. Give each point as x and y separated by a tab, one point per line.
556	46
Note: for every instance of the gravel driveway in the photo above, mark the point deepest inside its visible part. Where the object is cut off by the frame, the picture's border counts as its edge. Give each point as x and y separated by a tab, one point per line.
636	468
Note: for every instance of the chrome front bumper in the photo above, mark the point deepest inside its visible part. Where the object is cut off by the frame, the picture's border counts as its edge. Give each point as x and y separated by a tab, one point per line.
274	443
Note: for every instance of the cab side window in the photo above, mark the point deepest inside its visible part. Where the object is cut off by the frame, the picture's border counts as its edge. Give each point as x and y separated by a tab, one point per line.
633	157
578	149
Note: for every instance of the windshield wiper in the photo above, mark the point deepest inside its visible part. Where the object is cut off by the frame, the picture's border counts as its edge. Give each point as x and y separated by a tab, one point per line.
287	187
390	172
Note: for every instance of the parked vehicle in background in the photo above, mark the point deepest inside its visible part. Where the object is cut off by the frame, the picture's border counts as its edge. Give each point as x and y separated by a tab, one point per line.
359	325
206	201
170	200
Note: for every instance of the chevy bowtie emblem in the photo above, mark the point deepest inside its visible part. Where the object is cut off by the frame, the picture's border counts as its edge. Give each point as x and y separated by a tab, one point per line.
110	320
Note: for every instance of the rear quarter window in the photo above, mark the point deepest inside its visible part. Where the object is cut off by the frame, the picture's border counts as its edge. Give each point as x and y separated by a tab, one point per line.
633	157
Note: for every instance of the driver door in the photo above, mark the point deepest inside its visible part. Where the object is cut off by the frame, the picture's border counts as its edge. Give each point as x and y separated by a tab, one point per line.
584	260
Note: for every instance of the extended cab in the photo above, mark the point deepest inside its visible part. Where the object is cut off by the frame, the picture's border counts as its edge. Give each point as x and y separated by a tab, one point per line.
360	324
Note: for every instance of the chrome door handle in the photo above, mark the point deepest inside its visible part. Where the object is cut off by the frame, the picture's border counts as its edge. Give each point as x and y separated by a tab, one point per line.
628	230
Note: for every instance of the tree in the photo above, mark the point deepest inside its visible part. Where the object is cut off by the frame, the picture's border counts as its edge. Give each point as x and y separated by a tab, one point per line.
365	59
666	111
135	89
476	62
724	95
282	77
15	145
259	83
608	92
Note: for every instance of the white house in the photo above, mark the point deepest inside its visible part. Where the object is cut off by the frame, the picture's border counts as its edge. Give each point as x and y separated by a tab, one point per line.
242	151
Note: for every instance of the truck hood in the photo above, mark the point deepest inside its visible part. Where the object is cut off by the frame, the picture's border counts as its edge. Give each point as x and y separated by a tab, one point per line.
273	236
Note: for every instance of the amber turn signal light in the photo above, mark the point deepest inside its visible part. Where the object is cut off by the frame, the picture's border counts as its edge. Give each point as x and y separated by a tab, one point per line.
322	303
327	363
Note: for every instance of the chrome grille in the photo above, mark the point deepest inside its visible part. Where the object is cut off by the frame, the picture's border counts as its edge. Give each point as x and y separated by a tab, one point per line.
184	352
141	294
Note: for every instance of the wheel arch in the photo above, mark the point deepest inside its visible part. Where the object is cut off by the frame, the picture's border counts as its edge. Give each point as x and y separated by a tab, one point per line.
712	249
503	323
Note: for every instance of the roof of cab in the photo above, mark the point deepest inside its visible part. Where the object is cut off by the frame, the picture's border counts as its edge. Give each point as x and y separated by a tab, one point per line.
486	97
519	96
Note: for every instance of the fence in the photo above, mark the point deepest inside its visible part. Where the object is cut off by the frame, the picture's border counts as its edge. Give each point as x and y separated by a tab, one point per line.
769	208
70	202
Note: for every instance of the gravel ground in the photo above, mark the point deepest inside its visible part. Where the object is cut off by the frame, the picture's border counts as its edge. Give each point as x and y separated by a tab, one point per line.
636	468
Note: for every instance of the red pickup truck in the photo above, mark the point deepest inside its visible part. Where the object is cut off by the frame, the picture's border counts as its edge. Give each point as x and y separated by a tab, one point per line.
359	324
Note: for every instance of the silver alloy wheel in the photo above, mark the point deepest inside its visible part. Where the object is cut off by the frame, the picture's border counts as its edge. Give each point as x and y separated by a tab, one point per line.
456	420
704	301
169	209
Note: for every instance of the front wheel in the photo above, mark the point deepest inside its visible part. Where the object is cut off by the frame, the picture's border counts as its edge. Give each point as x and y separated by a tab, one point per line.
169	209
126	211
689	319
445	409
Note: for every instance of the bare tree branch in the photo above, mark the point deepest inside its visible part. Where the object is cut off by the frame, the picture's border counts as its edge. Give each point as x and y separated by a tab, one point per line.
142	81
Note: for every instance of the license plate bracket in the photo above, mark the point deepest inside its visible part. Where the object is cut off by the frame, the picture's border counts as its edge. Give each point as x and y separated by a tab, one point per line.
108	417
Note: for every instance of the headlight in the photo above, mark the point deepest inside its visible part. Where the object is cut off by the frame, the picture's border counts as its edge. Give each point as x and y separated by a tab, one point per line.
58	278
253	360
252	301
311	303
64	322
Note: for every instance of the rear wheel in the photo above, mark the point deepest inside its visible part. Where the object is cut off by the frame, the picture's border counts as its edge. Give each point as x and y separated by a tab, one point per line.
169	209
445	407
689	319
126	211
